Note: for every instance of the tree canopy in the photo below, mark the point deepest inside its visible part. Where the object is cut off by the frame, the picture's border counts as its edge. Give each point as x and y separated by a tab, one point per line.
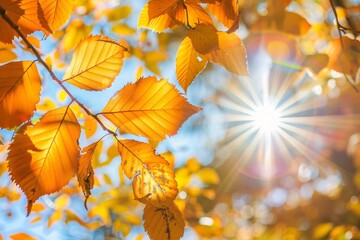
194	119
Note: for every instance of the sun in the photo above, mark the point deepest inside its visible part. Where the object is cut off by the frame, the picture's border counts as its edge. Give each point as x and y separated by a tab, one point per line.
266	118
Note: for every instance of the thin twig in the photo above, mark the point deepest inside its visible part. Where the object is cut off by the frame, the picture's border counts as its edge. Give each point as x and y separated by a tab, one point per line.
48	69
340	29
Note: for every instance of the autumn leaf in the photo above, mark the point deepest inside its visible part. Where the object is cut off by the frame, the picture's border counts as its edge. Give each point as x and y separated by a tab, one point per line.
24	14
153	179
225	11
21	236
189	63
159	15
204	38
6	53
56	12
163	223
344	57
95	64
230	54
43	158
85	172
158	24
149	108
19	92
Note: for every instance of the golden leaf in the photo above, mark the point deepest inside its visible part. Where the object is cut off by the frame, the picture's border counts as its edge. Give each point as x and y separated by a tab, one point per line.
95	64
43	158
85	173
25	14
344	57
225	11
19	92
189	63
6	53
163	223
191	13
56	12
75	32
90	126
149	108
157	24
230	54
154	180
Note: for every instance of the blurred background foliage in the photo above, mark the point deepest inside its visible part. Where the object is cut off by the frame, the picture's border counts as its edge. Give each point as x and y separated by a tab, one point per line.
313	193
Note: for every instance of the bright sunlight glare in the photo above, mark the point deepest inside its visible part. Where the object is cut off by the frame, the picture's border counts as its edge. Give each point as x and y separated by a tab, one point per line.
266	118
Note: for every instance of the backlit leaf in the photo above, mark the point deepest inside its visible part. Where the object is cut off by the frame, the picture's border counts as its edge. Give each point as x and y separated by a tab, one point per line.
75	32
225	11
25	15
119	13
95	64
90	126
149	108
157	24
6	53
230	54
190	13
19	92
204	38
345	58
189	63
43	158
153	179
164	223
56	12
85	173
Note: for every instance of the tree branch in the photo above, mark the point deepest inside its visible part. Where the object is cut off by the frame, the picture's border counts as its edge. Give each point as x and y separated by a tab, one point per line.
48	69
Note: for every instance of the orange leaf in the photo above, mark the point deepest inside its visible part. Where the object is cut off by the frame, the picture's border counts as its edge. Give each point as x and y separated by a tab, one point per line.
96	62
6	53
154	180
163	223
56	12
43	158
230	54
85	173
157	24
204	38
225	11
19	92
149	108
189	63
191	14
25	14
344	59
21	236
90	126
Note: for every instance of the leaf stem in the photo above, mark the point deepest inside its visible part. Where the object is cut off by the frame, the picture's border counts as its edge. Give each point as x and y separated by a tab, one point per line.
48	69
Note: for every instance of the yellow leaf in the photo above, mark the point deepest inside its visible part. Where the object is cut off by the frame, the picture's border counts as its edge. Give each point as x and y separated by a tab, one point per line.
322	230
43	158
149	108
189	63
21	236
157	24
344	57
224	11
75	32
6	53
230	54
119	13
19	92
154	180
107	179
85	173
208	176
123	29
62	202
56	12
46	104
152	60
38	207
95	64
36	219
190	13
62	95
90	126
54	217
164	223
25	15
